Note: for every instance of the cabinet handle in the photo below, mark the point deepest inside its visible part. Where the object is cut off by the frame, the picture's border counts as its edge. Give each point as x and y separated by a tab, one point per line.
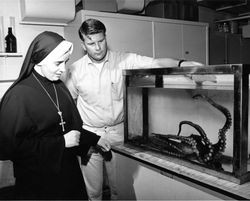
186	52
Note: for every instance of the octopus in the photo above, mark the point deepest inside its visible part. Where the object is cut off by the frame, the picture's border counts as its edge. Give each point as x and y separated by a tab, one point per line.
195	146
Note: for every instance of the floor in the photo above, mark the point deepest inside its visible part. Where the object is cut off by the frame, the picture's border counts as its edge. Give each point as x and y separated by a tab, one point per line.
106	196
6	193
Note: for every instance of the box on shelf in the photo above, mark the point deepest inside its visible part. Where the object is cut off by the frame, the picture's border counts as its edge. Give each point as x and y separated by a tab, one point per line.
47	12
246	31
173	9
97	5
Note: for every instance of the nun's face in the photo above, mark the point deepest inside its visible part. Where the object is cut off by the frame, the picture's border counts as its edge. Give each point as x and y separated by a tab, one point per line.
53	70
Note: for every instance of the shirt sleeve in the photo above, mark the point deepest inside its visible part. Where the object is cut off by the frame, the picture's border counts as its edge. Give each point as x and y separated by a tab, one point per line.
134	61
70	82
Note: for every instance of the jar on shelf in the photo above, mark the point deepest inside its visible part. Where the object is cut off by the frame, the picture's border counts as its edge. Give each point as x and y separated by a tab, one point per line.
225	27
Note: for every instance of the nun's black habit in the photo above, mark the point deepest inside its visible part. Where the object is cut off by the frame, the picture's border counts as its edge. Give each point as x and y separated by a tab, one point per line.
31	137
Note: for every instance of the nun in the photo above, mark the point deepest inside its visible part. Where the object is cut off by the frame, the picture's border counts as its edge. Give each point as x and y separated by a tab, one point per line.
40	127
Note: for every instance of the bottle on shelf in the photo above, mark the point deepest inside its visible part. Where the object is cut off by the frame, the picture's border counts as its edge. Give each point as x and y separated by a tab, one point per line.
10	41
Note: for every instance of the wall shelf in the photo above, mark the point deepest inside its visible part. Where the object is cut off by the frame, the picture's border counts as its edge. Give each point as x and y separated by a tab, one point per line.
235	7
246	17
5	54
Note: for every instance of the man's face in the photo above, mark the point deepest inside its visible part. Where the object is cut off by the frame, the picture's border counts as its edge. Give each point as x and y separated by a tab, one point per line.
96	46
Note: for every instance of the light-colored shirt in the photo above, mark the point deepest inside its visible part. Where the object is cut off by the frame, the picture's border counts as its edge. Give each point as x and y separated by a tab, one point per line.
99	88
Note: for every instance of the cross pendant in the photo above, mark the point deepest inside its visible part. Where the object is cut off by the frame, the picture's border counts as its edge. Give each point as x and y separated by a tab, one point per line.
62	122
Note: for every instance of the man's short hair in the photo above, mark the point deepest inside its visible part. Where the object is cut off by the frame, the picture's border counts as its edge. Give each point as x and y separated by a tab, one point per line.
91	26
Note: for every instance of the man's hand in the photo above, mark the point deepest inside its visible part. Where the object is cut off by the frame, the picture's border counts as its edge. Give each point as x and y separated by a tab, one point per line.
104	144
199	79
191	63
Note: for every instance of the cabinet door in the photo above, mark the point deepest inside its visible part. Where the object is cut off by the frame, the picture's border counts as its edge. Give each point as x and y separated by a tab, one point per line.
167	40
217	48
226	48
129	35
195	43
233	45
245	49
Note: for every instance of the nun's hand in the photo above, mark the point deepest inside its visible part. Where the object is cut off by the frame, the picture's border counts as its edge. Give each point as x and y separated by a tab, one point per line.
72	138
104	144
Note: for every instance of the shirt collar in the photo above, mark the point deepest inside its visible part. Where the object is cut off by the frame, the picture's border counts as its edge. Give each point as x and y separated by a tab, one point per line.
104	61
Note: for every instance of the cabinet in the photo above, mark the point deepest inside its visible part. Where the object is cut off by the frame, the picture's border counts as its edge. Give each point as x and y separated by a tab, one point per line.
168	35
47	12
149	36
162	111
225	48
194	41
186	41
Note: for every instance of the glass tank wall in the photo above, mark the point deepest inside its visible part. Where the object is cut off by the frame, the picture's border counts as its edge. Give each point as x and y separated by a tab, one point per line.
199	124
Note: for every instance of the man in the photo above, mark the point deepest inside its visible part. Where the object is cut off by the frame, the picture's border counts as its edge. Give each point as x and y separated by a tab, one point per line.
95	81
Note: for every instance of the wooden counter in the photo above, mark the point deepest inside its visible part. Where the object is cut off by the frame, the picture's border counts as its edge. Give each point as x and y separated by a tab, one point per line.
163	165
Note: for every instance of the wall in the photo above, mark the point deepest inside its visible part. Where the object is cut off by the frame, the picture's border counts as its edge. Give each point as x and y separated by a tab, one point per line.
10	66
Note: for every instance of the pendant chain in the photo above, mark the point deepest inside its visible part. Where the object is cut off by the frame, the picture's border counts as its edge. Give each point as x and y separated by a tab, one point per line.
55	104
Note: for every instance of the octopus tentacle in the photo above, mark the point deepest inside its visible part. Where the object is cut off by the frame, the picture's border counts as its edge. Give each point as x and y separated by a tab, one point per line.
204	146
221	144
197	127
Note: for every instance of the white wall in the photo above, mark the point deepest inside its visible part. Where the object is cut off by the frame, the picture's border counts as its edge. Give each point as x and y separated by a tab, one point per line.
10	66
